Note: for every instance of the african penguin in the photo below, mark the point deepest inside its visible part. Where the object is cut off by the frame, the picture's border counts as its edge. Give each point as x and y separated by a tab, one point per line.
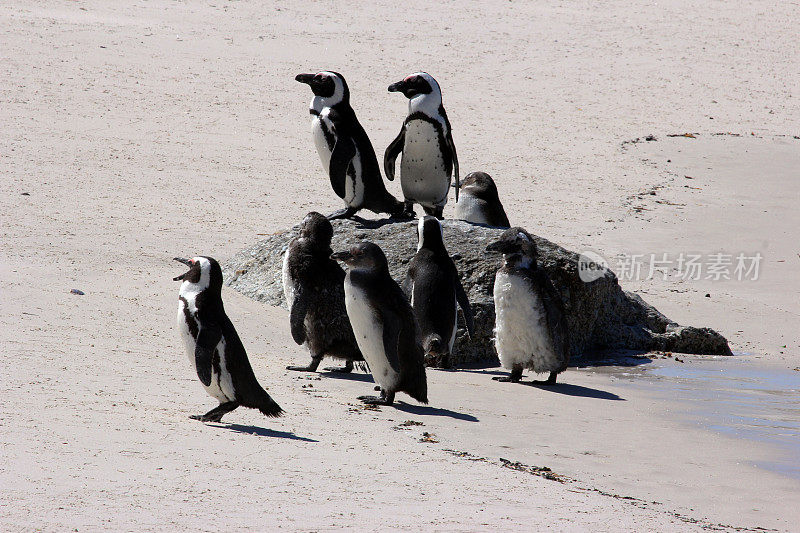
479	202
313	284
429	154
344	148
384	325
436	293
530	325
215	350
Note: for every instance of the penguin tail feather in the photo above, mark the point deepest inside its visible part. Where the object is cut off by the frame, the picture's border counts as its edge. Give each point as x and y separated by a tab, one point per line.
268	406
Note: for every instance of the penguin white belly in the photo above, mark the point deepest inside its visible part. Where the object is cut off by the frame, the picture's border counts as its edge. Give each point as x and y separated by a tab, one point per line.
321	141
521	335
423	174
221	386
353	188
368	331
471	209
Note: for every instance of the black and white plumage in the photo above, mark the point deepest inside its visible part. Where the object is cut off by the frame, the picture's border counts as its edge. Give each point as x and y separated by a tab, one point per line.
530	325
479	202
344	148
213	346
313	285
384	325
429	154
435	289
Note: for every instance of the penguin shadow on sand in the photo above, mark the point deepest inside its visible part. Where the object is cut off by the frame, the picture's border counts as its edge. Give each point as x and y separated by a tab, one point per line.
427	410
567	389
376	223
261	432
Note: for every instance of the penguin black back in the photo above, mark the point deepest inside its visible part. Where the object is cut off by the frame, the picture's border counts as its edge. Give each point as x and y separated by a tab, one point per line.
435	289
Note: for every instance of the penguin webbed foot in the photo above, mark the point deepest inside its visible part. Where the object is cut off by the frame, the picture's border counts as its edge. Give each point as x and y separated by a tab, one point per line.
216	414
347	212
386	398
346	369
514	377
310	367
551	380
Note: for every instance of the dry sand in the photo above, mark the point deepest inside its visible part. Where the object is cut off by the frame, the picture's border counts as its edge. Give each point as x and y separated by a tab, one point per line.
142	131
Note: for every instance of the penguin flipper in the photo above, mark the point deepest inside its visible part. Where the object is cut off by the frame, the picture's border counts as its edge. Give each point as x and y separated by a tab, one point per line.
463	302
454	156
556	318
392	329
392	151
297	316
207	340
342	155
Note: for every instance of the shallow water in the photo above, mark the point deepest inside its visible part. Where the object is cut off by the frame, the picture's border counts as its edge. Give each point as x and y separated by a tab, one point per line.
733	396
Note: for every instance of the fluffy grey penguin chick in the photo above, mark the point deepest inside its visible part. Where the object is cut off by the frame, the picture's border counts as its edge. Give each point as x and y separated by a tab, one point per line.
530	325
313	284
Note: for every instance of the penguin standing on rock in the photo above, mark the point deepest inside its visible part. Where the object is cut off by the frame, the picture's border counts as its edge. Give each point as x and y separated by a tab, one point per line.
436	293
344	148
429	154
313	284
530	325
384	326
480	203
215	350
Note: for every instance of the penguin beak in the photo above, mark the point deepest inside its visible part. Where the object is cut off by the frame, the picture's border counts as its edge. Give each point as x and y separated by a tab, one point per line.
304	78
185	262
342	256
397	87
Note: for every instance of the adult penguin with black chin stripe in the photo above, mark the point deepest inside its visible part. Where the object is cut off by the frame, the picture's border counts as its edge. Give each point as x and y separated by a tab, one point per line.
345	149
435	289
426	142
531	324
213	346
384	325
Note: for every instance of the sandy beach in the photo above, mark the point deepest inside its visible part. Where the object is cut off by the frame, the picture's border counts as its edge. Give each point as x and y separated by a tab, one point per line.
138	132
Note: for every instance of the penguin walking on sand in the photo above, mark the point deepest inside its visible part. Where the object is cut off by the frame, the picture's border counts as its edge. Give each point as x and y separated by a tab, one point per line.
215	350
530	325
313	285
429	154
436	293
344	148
480	203
384	326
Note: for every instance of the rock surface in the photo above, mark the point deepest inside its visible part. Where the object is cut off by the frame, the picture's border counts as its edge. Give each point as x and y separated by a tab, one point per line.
601	315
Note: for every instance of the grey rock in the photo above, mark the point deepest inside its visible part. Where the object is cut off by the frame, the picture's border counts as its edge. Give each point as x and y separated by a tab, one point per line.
602	317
